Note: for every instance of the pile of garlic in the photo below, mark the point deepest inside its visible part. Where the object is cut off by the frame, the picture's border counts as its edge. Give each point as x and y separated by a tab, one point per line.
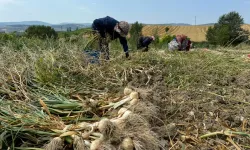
91	136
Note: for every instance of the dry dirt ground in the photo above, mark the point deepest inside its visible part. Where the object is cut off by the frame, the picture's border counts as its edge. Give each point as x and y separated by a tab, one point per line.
189	114
208	115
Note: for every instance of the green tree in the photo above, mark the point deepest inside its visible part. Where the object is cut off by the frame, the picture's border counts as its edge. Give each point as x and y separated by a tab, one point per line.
135	33
166	29
218	36
41	32
228	30
157	37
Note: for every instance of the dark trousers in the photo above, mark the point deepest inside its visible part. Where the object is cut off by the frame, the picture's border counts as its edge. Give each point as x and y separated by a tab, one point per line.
103	45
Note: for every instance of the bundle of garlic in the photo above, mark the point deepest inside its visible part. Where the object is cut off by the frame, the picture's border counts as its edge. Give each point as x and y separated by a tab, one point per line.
126	131
131	97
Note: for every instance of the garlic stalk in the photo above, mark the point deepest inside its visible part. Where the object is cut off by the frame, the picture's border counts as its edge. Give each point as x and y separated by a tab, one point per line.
131	96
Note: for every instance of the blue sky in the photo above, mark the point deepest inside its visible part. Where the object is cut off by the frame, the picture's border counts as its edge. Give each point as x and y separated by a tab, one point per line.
146	11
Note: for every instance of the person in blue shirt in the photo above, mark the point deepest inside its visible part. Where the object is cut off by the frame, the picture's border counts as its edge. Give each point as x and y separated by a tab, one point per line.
110	27
144	42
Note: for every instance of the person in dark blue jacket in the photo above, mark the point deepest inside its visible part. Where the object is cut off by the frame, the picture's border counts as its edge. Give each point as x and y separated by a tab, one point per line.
144	42
110	27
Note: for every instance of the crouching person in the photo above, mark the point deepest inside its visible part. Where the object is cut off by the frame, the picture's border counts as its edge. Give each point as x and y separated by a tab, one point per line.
181	43
111	29
144	42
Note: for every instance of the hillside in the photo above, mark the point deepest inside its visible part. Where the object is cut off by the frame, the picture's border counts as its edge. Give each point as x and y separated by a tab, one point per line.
21	26
2	24
196	33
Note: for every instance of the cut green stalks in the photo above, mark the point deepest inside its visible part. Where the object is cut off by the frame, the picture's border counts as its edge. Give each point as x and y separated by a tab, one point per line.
227	133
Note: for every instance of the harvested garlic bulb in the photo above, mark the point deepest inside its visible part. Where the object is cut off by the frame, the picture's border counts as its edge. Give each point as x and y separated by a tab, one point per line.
134	95
96	144
103	124
126	114
127	91
122	111
133	102
127	144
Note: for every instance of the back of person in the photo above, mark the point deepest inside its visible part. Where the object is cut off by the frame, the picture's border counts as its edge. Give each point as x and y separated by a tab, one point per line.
173	45
109	29
144	41
106	25
147	40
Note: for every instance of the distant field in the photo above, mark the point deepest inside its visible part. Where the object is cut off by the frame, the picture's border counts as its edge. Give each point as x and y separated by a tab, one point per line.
196	33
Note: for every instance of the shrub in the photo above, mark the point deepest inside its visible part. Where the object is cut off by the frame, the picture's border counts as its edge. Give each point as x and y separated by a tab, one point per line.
227	31
6	37
163	41
41	32
218	35
166	29
135	33
166	39
157	38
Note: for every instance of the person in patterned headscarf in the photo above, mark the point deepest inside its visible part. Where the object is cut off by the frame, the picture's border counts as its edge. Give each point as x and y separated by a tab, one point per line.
110	27
181	43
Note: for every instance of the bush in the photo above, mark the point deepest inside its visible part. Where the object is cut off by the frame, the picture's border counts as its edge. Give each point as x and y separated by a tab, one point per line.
135	33
227	31
166	39
41	32
218	35
157	38
11	39
6	37
166	29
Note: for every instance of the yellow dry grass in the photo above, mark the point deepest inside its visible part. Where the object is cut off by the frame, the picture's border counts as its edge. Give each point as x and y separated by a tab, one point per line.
196	33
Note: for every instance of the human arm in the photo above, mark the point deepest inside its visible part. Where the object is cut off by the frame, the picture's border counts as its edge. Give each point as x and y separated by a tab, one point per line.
124	44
